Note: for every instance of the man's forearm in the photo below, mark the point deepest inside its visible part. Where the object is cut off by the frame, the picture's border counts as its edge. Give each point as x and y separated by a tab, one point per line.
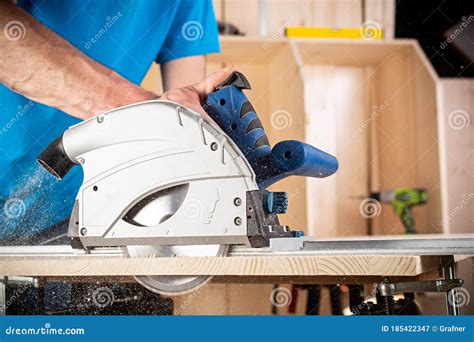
46	68
183	72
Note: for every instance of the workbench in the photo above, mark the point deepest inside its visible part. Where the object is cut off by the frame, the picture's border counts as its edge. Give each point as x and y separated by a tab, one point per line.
402	260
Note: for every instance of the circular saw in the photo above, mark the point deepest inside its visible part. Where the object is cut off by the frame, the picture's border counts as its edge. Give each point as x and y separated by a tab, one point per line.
162	181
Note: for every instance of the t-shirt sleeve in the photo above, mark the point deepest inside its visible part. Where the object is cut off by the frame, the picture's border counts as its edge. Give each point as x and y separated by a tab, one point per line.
193	32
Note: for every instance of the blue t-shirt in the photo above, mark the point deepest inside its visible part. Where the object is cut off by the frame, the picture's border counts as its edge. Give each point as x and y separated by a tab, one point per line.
126	36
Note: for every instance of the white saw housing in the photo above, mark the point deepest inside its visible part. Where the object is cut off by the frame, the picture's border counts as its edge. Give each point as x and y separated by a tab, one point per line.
134	152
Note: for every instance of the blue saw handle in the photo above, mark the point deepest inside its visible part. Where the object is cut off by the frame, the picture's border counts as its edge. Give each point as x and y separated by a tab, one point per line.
231	110
295	158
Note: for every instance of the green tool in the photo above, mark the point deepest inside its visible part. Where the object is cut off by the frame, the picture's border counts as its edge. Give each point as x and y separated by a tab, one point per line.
402	200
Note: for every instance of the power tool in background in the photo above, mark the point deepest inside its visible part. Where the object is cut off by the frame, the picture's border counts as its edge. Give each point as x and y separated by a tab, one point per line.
402	201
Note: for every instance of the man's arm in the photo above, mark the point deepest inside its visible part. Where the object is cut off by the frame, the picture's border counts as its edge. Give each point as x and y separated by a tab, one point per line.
182	72
46	68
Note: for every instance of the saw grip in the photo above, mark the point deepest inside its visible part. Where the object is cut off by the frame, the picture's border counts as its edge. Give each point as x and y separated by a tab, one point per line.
231	110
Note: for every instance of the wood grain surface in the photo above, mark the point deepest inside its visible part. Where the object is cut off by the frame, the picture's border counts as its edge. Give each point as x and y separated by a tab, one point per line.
257	266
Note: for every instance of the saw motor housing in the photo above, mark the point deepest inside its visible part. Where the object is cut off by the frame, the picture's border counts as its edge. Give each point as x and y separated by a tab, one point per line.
160	150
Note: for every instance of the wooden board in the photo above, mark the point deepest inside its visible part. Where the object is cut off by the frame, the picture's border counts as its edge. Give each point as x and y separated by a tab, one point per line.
242	266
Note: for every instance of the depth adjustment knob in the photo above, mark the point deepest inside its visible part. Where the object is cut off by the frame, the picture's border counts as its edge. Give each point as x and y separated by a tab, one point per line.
275	202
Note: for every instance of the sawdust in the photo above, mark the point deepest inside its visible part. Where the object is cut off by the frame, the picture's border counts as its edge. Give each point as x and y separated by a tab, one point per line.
29	209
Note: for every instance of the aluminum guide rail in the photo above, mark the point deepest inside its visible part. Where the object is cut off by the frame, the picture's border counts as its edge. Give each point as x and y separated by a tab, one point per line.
291	246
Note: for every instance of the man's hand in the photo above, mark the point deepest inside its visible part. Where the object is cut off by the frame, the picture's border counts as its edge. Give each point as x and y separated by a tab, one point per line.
193	96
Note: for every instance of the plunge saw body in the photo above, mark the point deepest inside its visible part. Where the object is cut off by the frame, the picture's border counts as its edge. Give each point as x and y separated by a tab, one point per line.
160	180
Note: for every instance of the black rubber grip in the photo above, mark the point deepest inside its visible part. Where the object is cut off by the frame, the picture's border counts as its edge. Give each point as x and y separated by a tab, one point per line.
236	79
262	141
254	124
245	109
